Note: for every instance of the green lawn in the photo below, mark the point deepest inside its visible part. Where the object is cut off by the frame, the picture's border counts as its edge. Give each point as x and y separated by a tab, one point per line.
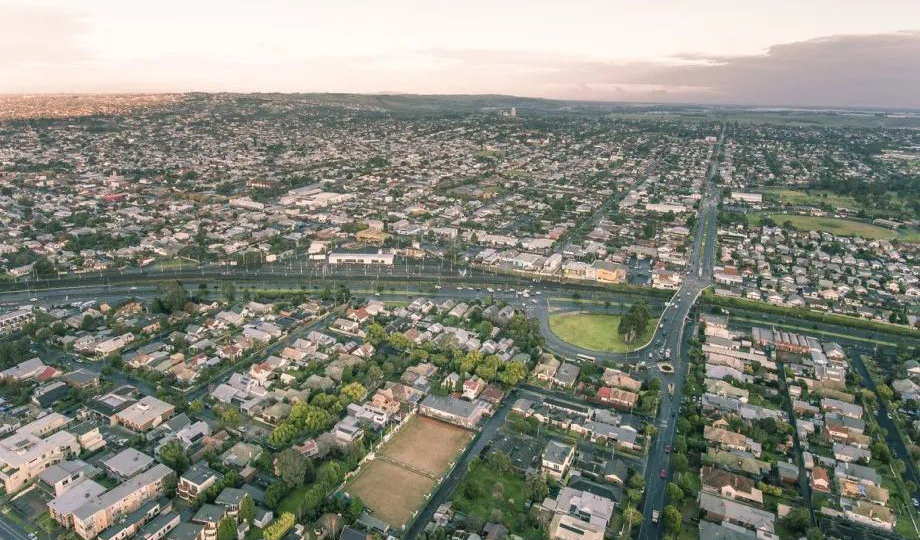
291	501
595	331
840	227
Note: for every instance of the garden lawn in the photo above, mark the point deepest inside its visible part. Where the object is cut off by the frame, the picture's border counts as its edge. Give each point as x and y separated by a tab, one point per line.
595	331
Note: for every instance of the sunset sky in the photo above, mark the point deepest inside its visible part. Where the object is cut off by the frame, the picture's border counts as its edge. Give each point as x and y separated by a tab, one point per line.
777	52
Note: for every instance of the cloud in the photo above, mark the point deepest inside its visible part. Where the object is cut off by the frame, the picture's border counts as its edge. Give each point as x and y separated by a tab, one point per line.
36	35
43	50
849	70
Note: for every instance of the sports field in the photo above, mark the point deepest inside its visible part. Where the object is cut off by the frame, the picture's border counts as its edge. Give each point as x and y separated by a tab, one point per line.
391	492
595	331
840	227
428	445
408	468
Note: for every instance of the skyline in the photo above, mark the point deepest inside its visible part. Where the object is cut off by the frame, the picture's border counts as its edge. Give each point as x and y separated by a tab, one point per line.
819	55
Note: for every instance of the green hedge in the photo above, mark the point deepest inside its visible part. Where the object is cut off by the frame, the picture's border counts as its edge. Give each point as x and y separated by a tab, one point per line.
280	527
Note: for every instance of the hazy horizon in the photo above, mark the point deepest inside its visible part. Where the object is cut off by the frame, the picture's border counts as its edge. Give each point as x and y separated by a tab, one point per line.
713	52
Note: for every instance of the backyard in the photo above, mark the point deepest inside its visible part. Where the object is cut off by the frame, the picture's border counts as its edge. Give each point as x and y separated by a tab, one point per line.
492	495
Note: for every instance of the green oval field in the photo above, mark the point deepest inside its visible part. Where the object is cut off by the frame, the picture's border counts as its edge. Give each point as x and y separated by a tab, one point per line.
595	331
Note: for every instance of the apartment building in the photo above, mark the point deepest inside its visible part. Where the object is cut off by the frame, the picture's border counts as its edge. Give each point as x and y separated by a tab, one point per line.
33	448
96	513
145	415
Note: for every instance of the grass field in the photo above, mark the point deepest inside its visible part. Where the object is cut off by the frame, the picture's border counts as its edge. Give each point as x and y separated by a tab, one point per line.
595	331
408	468
840	227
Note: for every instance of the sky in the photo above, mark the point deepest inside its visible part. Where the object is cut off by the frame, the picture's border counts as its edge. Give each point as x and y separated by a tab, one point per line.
824	53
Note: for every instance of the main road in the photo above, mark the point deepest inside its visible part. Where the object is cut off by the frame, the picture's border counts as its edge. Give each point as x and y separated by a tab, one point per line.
670	337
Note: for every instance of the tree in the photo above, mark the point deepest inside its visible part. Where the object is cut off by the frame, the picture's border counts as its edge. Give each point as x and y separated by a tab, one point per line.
230	417
536	487
227	529
247	509
500	461
637	482
484	329
671	517
674	493
680	462
634	322
797	520
228	289
814	533
513	373
291	466
355	508
376	334
353	392
632	516
173	456
275	493
196	406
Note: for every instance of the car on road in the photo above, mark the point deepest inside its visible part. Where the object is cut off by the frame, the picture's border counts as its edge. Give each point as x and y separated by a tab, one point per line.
667	449
663	473
655	516
915	501
133	287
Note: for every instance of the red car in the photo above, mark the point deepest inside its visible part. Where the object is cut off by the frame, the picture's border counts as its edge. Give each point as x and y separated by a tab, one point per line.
664	473
667	449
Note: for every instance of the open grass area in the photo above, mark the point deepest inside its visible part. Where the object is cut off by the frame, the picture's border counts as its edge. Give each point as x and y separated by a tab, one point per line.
595	331
840	227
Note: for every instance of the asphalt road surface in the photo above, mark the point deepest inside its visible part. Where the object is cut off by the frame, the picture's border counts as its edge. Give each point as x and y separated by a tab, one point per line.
670	335
9	530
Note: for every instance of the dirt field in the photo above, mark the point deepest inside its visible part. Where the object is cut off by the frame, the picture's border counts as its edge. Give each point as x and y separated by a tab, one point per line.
398	482
427	445
391	492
